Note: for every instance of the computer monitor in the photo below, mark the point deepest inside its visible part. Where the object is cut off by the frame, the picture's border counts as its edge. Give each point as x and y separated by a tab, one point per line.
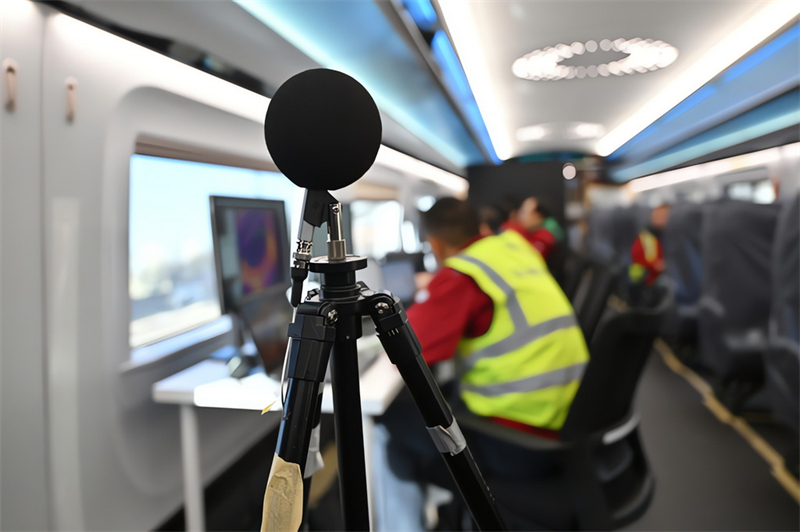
399	279
251	250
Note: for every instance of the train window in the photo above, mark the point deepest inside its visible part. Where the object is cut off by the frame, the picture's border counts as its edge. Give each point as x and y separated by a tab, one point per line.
171	282
762	191
376	227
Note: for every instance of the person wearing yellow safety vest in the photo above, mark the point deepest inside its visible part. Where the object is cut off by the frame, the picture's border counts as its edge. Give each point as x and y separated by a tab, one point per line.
519	352
647	256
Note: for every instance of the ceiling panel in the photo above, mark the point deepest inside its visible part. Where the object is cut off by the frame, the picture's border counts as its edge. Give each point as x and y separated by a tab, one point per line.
226	30
507	30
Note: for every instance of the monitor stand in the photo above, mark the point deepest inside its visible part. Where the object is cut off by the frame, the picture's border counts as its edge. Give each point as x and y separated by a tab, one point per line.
241	357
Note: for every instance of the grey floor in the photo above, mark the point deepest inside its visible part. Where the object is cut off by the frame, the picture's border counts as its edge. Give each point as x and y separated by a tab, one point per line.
708	477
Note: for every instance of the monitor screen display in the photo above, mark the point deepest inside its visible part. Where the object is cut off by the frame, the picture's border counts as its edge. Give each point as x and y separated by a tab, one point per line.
399	280
258	246
251	248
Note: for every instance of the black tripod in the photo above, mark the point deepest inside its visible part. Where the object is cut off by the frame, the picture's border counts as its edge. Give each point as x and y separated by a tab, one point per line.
329	322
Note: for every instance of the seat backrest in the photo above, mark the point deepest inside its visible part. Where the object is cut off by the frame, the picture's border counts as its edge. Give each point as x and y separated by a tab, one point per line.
628	221
601	281
599	240
619	350
737	242
682	251
782	359
575	265
785	311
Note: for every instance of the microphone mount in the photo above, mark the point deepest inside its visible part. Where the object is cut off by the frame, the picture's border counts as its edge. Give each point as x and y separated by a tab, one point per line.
319	206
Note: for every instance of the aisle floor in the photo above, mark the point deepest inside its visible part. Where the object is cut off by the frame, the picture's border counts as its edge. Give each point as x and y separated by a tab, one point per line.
707	476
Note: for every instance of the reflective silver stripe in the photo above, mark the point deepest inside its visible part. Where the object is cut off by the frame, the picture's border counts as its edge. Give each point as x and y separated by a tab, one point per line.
530	384
520	338
512	303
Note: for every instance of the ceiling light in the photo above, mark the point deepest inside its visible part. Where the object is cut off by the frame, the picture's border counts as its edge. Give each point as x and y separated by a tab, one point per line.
569	171
586	130
405	163
537	132
643	56
714	168
565	130
727	51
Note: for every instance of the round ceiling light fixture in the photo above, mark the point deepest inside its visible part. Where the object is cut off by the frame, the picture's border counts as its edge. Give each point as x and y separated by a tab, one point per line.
644	55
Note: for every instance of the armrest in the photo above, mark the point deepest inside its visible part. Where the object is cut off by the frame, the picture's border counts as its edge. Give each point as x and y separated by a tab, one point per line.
480	424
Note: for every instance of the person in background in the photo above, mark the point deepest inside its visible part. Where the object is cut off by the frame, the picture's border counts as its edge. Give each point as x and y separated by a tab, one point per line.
519	352
491	220
534	221
647	255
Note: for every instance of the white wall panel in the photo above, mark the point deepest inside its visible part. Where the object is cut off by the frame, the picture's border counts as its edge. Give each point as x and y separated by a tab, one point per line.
23	461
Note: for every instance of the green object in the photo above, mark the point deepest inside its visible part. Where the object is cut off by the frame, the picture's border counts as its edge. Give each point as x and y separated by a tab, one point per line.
552	225
528	365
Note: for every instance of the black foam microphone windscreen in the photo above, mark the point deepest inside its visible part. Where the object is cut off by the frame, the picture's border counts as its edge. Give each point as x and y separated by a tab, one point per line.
323	129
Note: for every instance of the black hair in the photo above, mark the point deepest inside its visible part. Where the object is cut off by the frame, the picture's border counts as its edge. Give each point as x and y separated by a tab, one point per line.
492	216
452	220
508	204
542	209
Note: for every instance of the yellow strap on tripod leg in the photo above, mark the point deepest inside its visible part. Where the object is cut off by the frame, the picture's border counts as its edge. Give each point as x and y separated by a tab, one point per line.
283	499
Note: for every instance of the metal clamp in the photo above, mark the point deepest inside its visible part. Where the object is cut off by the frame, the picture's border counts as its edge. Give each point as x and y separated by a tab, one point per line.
448	440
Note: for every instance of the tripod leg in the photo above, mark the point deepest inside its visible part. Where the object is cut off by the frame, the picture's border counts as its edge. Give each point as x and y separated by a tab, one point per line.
405	352
349	432
312	336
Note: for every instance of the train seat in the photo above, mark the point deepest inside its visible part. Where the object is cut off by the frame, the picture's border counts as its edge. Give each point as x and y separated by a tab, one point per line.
782	360
684	268
733	312
597	283
604	481
599	241
575	266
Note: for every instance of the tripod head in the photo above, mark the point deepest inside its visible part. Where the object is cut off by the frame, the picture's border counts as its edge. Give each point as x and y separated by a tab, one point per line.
323	131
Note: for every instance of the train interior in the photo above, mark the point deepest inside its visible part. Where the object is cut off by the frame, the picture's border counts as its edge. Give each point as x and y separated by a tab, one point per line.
138	367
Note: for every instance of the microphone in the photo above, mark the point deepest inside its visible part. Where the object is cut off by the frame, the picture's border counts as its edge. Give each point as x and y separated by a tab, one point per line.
322	129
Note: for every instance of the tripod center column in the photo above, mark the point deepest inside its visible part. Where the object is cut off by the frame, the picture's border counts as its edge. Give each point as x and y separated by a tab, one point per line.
337	248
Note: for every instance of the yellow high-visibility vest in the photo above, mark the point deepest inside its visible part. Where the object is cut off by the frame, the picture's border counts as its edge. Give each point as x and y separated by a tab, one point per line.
649	242
527	367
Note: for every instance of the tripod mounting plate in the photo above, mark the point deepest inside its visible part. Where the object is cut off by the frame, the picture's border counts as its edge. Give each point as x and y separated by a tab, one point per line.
350	264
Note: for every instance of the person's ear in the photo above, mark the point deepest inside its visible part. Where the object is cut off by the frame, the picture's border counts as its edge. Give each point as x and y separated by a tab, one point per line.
437	248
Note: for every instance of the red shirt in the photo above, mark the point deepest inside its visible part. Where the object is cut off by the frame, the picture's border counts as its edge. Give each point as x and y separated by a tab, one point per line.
542	239
647	252
455	308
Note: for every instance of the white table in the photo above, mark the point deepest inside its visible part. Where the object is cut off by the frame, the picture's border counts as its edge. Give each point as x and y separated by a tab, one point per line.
208	385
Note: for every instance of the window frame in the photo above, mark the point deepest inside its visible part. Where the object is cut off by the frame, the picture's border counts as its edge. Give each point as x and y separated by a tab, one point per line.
205	335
